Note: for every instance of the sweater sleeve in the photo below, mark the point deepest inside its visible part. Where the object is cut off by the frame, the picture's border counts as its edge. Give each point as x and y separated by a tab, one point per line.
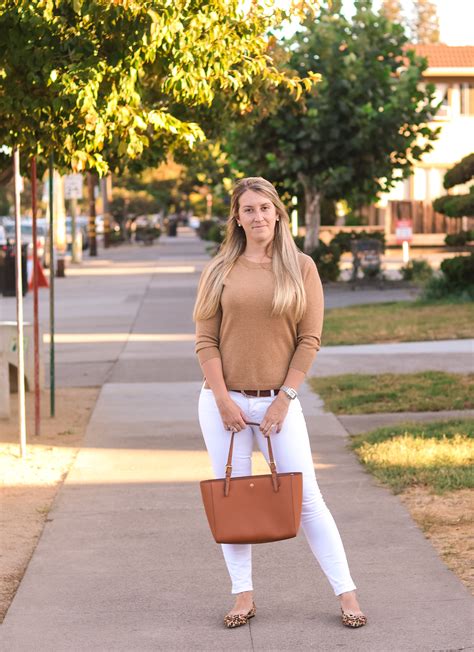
309	328
207	334
207	337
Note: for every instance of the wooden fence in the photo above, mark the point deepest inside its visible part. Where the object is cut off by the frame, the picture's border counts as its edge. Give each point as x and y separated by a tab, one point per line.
425	219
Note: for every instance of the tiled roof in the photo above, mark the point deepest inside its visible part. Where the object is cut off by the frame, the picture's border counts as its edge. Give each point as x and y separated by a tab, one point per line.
440	55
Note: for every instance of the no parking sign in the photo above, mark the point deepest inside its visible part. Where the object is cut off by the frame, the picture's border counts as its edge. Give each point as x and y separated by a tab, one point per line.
404	231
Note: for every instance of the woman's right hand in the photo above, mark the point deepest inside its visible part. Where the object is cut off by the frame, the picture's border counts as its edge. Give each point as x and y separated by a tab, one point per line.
232	416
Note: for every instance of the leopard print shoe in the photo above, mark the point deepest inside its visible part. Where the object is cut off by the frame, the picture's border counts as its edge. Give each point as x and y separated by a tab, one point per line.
237	620
350	620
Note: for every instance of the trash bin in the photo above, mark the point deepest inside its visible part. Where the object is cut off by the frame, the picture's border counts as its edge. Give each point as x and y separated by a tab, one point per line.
7	270
173	227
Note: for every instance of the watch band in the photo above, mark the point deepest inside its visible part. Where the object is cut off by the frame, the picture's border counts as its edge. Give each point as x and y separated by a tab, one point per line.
289	391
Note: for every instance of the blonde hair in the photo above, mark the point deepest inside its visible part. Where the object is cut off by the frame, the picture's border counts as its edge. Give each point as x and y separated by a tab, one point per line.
289	294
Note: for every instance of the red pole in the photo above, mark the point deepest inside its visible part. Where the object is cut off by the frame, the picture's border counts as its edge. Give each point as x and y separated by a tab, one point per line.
34	206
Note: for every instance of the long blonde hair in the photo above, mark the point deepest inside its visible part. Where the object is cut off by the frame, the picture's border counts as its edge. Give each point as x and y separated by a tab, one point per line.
289	294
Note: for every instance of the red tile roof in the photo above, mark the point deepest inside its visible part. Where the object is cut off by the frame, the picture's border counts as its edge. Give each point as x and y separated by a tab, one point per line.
440	55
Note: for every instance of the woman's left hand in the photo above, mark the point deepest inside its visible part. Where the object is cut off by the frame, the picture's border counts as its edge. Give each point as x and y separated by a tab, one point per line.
275	415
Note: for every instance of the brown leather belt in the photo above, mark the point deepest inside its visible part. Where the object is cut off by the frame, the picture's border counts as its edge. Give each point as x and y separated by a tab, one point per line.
250	392
256	392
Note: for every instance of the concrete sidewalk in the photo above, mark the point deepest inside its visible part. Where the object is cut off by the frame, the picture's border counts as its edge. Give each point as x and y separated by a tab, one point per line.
126	560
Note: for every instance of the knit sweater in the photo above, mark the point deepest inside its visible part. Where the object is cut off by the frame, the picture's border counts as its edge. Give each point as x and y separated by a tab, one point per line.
256	348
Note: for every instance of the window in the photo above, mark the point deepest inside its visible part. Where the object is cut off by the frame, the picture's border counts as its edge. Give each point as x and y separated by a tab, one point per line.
467	98
444	92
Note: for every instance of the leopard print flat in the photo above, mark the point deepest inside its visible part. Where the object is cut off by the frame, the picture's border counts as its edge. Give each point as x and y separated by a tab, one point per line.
237	620
350	620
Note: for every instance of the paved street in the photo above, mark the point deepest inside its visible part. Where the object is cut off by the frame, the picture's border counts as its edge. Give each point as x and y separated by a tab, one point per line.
126	560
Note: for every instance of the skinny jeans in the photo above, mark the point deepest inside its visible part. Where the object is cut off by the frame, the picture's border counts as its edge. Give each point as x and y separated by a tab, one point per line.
292	452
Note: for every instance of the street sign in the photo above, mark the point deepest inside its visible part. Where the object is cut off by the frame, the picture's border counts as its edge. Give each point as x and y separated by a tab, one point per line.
73	184
404	231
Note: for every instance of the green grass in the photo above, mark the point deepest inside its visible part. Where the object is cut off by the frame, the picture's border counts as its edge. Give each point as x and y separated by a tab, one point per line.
419	392
398	321
437	455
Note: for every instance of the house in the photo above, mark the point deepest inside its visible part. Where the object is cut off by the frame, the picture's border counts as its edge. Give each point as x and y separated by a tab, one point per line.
451	70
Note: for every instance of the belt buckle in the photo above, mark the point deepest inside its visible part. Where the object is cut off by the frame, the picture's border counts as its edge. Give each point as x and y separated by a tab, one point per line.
250	395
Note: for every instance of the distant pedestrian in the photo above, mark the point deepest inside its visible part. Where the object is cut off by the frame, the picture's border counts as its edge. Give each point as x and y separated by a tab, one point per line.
259	315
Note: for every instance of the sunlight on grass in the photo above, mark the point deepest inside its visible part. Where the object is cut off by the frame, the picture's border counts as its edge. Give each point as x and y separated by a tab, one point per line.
407	450
439	455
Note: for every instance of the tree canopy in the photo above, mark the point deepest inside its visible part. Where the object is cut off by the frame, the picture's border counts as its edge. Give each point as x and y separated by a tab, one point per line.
461	205
101	83
357	132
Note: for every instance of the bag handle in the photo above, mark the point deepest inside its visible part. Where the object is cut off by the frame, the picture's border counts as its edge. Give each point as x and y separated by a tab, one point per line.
271	463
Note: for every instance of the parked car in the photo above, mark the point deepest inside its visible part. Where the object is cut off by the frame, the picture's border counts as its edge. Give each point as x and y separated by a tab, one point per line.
81	224
194	222
8	226
41	236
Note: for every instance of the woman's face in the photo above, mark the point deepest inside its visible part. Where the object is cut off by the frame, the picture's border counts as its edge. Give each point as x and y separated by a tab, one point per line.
257	215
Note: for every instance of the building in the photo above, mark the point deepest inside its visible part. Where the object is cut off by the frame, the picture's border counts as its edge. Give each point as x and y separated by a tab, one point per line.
451	69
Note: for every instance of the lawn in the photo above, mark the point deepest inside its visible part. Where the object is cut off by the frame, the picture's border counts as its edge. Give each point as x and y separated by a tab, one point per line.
422	391
429	466
437	455
398	321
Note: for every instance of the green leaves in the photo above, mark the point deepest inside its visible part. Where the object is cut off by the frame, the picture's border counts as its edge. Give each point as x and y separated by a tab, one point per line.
101	83
357	130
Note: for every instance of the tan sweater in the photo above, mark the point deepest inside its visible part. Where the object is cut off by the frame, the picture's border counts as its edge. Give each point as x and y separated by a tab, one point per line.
255	348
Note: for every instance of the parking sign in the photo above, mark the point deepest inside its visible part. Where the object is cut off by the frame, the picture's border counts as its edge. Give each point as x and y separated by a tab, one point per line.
73	184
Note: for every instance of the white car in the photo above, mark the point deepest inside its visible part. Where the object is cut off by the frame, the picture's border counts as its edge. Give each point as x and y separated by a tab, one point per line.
194	222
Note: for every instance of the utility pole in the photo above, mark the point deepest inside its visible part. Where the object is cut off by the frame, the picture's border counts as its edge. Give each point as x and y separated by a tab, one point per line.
19	304
92	230
52	267
34	209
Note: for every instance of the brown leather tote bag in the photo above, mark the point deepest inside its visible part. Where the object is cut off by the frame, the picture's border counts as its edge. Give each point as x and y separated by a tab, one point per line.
253	508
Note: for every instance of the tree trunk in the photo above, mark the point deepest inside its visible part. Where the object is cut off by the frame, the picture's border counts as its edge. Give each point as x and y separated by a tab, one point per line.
312	214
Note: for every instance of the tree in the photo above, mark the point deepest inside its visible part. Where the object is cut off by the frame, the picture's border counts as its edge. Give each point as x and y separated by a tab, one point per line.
425	23
103	83
461	205
392	10
359	131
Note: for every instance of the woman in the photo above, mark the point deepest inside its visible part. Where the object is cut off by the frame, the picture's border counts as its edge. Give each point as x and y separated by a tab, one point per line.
259	313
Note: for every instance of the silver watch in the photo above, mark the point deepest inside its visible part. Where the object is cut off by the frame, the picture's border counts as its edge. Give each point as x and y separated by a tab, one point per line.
289	391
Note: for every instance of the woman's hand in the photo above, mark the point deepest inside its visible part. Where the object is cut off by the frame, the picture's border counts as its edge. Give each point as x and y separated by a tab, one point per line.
232	416
275	415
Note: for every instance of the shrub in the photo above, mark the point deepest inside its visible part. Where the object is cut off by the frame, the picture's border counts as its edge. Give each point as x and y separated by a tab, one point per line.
147	232
343	239
459	239
299	241
116	237
216	233
204	227
327	259
457	280
418	271
352	219
459	271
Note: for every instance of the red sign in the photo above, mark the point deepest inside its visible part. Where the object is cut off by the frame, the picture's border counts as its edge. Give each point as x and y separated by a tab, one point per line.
404	231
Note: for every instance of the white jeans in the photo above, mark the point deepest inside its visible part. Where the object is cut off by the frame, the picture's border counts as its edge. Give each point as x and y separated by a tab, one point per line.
292	452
